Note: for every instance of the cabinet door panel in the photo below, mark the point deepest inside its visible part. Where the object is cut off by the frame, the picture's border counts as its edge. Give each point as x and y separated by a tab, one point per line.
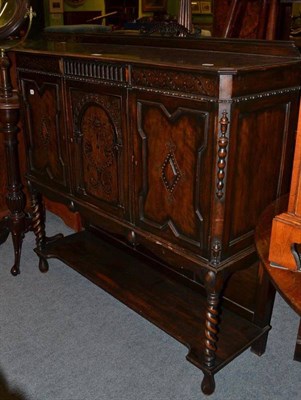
97	147
45	131
259	165
173	149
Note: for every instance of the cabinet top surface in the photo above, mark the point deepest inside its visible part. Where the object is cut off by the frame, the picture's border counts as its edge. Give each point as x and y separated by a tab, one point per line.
200	59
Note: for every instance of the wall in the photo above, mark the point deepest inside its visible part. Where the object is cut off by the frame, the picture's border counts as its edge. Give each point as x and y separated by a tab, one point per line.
57	19
90	5
296	9
97	5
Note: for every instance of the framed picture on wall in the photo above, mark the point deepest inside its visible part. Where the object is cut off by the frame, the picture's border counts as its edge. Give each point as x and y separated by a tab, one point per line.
205	7
74	3
56	6
201	7
154	5
195	7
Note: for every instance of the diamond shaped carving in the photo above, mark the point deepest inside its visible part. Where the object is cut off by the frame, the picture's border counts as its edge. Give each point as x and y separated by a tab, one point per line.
171	173
45	131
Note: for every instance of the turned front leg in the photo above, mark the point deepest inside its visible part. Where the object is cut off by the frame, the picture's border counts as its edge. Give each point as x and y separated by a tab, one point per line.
17	222
38	225
213	285
211	329
38	218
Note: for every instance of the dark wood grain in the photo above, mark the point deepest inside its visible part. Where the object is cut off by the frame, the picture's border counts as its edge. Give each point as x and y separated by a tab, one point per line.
286	282
261	19
173	151
162	298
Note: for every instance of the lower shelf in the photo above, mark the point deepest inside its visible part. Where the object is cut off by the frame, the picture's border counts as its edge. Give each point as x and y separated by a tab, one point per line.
168	302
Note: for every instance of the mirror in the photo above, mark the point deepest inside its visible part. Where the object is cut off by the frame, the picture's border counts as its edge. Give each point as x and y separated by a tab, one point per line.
248	19
12	13
245	19
6	12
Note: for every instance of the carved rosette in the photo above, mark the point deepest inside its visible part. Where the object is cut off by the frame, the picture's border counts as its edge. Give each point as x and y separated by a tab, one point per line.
222	154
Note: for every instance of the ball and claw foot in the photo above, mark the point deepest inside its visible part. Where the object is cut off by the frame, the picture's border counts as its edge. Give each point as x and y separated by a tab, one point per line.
15	270
208	384
43	265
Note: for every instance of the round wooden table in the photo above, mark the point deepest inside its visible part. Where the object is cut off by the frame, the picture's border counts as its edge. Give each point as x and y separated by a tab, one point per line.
286	282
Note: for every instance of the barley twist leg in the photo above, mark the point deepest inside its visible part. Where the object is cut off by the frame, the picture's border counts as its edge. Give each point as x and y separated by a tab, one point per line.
38	226
211	328
213	283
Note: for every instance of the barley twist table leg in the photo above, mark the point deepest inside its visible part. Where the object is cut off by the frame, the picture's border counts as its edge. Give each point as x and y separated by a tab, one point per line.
213	283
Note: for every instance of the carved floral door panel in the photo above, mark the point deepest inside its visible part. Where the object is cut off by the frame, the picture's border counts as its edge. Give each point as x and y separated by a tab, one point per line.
45	130
173	145
97	141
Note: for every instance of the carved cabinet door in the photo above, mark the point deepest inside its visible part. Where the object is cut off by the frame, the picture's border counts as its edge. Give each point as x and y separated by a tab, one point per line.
45	129
97	141
173	168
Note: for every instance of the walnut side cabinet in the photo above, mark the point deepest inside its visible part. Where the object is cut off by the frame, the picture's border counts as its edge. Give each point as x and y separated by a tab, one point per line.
169	149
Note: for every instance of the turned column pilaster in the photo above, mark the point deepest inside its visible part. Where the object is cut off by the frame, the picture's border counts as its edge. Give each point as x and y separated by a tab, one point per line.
17	222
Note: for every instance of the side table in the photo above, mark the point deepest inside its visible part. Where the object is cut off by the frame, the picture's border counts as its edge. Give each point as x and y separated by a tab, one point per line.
286	282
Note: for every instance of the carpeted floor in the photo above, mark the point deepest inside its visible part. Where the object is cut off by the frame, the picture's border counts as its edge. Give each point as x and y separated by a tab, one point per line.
63	338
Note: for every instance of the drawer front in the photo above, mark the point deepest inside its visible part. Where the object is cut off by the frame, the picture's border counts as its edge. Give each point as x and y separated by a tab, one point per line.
39	63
